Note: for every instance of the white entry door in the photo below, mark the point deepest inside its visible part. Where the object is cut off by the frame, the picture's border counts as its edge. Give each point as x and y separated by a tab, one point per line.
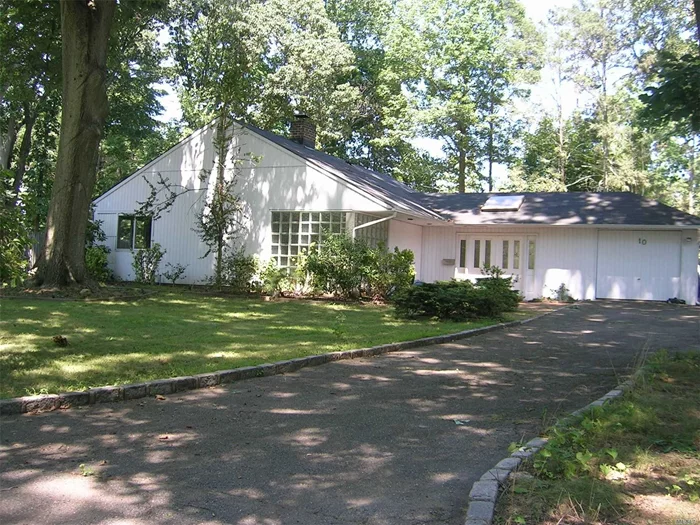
641	265
508	253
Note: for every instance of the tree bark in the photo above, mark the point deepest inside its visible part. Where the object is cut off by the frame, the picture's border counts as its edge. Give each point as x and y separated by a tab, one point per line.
461	175
30	115
8	144
696	5
85	29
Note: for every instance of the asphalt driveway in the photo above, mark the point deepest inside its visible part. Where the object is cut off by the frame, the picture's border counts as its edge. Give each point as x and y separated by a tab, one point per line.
368	441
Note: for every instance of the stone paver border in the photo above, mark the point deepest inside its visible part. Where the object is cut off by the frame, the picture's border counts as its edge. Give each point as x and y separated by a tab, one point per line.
108	394
484	493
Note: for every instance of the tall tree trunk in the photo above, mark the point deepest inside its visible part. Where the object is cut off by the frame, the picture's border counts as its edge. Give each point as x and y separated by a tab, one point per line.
7	145
691	178
491	133
696	5
30	115
85	29
222	141
461	175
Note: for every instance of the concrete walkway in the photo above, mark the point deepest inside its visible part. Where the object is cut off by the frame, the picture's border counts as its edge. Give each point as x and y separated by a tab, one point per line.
368	441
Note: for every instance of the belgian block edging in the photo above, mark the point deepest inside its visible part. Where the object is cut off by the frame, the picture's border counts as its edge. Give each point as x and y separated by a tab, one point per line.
483	496
109	394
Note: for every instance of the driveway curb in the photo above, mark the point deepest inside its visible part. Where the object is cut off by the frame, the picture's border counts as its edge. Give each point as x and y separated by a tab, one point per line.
485	492
109	394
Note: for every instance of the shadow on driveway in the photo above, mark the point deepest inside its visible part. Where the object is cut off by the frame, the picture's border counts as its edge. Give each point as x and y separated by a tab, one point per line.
368	441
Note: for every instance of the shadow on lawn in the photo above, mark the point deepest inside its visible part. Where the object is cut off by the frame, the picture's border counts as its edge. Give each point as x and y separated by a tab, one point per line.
363	441
181	334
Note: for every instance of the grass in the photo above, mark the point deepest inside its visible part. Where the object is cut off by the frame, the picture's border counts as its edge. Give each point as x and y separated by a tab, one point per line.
181	333
634	461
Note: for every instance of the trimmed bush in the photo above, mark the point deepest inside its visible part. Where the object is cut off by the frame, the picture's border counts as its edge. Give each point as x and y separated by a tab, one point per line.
350	268
454	300
238	270
339	266
96	263
146	262
390	272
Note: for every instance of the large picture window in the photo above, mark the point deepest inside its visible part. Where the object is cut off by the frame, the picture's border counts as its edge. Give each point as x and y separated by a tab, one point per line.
293	231
134	232
375	234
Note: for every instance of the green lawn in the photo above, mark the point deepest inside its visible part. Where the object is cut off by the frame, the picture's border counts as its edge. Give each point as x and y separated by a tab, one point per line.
180	333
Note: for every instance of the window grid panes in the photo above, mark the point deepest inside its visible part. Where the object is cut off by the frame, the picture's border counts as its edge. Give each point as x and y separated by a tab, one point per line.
477	253
531	255
487	253
505	255
516	255
373	235
294	231
134	232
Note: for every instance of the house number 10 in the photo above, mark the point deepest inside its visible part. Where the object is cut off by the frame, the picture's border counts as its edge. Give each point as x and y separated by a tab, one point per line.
643	242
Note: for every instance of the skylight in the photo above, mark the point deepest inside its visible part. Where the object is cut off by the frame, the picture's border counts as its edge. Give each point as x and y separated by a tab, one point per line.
503	203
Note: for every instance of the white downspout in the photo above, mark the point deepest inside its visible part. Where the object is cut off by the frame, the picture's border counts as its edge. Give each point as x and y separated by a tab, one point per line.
372	223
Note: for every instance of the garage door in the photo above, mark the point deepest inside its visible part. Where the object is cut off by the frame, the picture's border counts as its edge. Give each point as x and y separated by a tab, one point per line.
642	265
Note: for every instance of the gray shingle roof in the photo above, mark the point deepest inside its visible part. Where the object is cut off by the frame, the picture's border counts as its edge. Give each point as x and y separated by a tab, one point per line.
574	208
394	194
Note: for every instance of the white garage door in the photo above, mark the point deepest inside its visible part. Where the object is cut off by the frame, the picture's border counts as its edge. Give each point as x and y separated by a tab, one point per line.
642	265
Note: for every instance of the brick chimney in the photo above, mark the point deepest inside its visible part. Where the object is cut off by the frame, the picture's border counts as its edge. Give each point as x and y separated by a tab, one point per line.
303	131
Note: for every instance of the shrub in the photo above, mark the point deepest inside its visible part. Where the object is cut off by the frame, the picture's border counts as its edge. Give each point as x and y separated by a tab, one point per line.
458	300
96	254
96	263
238	270
390	272
340	266
146	263
273	279
14	242
175	272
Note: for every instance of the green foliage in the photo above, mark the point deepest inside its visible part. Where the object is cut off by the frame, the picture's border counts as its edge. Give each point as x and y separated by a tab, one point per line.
458	300
238	270
390	272
340	265
562	294
653	416
14	242
96	254
96	263
146	262
175	272
350	268
675	98
274	280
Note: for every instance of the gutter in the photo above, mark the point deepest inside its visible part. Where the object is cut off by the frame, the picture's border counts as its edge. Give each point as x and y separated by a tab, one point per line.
372	223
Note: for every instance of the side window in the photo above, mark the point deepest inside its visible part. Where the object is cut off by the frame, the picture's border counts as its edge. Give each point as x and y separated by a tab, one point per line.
516	255
124	226
504	262
531	255
463	253
134	232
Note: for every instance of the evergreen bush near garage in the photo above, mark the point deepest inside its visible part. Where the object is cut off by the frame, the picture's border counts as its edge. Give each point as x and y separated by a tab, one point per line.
491	296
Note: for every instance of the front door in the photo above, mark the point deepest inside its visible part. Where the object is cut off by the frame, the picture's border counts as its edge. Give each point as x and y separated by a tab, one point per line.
475	251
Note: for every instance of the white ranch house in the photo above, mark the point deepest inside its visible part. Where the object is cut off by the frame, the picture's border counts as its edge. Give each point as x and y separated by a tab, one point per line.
599	245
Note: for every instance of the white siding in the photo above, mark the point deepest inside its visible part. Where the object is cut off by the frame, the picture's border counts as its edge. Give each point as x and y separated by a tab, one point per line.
643	265
279	181
407	236
564	255
688	290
